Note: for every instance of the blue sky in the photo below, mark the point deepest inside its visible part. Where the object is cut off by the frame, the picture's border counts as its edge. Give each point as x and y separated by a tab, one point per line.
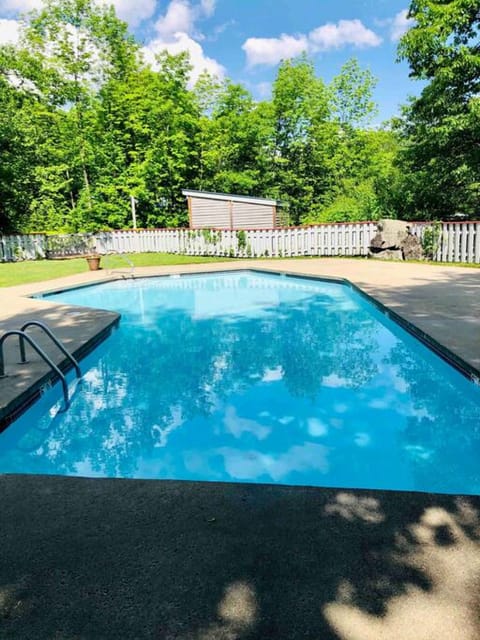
245	40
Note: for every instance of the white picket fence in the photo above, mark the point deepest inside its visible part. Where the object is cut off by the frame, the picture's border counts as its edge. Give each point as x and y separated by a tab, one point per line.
323	240
31	247
459	242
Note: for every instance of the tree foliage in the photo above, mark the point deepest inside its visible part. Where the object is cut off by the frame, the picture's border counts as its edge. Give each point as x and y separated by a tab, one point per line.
441	129
352	94
85	124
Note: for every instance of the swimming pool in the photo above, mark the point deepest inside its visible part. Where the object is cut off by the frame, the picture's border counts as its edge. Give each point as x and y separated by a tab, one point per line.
253	377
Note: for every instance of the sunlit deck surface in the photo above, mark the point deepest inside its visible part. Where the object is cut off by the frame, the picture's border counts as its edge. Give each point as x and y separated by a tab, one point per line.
96	558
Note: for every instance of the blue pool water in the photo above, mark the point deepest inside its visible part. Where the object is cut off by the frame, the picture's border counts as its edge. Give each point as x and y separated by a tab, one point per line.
251	377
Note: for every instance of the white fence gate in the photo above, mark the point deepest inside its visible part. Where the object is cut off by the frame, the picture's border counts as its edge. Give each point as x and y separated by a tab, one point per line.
458	242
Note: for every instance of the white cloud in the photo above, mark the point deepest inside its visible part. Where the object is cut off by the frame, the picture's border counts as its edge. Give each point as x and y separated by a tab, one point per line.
344	33
183	42
237	426
133	12
208	7
219	29
161	433
177	33
250	465
316	427
180	17
264	89
9	31
272	375
18	6
399	25
270	51
335	381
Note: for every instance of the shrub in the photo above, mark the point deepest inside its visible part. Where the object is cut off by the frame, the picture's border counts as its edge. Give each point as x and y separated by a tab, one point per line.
431	238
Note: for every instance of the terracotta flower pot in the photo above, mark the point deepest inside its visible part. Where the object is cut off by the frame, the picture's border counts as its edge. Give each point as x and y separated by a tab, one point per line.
93	262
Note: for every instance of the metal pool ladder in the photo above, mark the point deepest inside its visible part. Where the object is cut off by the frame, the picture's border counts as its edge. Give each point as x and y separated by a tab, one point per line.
123	257
24	337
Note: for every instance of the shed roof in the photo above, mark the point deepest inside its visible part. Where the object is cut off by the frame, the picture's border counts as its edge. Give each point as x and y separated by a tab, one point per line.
228	197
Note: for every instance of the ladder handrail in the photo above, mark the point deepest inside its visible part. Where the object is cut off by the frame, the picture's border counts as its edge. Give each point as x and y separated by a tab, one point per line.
23	336
55	340
123	257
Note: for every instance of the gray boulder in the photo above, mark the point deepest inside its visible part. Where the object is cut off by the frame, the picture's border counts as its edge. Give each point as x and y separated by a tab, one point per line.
395	242
412	248
393	233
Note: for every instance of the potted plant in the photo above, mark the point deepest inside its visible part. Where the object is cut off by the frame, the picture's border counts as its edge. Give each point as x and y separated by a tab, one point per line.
93	258
93	262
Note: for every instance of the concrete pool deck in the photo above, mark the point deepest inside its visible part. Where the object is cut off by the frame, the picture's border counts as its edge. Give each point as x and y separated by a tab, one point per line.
87	559
95	558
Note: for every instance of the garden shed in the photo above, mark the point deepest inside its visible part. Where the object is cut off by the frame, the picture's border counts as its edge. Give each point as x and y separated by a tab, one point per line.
226	211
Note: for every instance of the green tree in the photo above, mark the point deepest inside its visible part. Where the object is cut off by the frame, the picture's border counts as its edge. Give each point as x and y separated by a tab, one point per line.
352	95
441	128
302	135
16	152
69	49
235	139
85	123
359	160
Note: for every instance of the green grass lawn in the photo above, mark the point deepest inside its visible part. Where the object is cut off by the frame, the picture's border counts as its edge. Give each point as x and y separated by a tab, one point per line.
13	273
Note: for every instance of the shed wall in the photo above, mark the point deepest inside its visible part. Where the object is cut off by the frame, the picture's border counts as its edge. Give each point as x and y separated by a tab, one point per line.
225	214
210	214
252	216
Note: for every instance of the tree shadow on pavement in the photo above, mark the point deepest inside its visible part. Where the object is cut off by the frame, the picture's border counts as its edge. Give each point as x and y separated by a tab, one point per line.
85	558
